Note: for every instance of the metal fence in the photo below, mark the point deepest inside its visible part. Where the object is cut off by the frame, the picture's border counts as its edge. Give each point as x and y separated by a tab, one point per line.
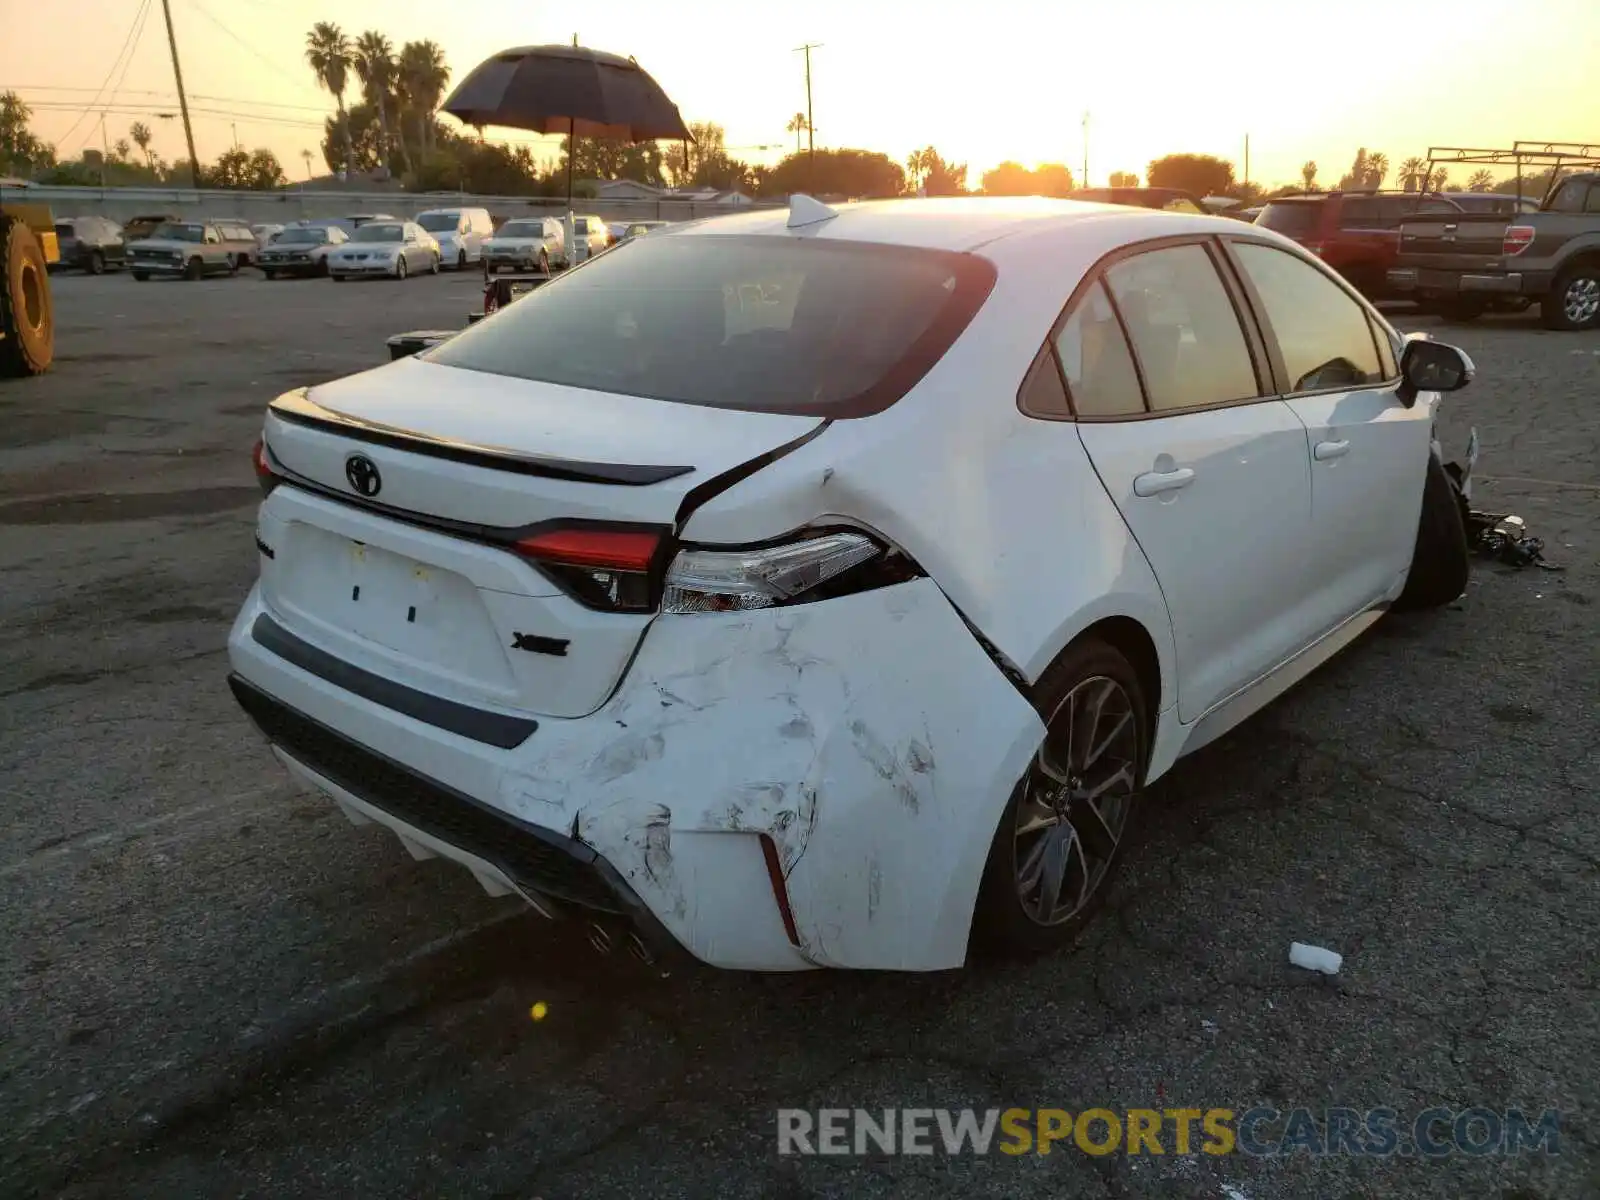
293	204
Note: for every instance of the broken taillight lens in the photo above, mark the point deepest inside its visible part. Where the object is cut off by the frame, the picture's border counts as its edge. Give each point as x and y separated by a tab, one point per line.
1515	240
603	568
809	568
261	459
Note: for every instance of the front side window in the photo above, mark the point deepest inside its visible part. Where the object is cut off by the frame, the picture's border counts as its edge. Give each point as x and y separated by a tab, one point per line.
763	324
440	222
1184	329
1322	333
1101	380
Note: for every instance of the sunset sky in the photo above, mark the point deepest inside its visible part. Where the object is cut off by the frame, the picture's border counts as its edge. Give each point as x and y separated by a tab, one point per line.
1006	79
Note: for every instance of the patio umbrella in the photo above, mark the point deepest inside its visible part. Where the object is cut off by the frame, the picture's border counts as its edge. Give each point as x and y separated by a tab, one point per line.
567	89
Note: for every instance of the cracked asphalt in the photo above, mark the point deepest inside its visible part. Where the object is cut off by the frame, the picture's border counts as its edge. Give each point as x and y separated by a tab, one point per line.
214	986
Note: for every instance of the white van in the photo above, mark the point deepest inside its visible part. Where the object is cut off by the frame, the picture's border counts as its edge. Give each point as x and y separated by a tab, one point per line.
460	233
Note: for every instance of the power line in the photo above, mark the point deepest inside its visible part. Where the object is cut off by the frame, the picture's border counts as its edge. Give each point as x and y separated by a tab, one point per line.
298	81
127	42
169	94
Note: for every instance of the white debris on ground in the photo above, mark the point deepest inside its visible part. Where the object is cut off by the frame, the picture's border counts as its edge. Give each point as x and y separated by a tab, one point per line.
1314	958
1229	1192
1208	1026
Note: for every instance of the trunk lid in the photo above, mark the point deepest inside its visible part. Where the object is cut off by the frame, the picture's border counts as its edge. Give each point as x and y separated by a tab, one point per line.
412	574
1453	242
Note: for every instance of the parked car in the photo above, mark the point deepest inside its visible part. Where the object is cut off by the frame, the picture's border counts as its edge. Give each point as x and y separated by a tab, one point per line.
301	250
1166	199
1467	264
1355	233
528	243
265	234
136	228
1491	202
633	229
357	220
460	232
392	248
192	249
90	244
589	237
819	588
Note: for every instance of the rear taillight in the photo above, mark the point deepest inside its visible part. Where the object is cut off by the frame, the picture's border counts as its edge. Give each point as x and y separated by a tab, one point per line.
807	569
1517	238
614	570
261	459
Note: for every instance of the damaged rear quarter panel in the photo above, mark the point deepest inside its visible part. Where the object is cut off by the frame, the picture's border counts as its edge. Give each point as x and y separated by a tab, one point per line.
869	735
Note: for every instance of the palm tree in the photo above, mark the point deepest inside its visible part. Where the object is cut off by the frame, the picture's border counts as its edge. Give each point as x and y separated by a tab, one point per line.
424	75
914	164
122	149
1377	168
1481	180
306	154
329	53
374	63
797	125
1411	173
142	137
1308	175
1439	180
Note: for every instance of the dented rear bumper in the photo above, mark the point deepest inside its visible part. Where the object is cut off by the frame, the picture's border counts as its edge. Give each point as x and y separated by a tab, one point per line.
859	749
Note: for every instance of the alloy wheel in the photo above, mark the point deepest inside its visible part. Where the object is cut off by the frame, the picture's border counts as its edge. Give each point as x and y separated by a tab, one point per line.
1582	300
1076	800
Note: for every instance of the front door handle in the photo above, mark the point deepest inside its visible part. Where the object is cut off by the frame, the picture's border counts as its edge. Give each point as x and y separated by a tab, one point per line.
1326	450
1153	483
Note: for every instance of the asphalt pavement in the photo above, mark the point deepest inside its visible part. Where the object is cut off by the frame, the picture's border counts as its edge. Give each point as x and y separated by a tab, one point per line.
215	986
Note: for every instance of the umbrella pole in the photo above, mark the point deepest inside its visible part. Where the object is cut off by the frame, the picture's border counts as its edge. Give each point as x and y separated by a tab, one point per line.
571	146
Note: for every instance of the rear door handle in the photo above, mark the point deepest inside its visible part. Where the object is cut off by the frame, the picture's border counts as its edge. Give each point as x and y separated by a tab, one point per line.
1153	483
1326	450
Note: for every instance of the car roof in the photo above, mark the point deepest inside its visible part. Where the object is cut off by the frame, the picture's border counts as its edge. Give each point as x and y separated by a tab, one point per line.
956	223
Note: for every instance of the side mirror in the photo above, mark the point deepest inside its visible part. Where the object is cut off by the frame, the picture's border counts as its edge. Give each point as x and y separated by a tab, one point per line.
1429	366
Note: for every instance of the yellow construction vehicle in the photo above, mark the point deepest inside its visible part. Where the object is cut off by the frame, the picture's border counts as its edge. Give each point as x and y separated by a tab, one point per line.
28	248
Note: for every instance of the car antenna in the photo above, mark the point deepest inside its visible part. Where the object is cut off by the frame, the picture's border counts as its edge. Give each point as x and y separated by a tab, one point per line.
803	210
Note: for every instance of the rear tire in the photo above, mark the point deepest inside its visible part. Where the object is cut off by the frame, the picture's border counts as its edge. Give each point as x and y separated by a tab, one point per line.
27	315
269	273
194	269
141	276
97	263
1441	561
1081	801
461	261
1574	299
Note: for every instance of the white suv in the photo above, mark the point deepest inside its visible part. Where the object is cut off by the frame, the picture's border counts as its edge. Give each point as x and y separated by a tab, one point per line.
819	589
460	232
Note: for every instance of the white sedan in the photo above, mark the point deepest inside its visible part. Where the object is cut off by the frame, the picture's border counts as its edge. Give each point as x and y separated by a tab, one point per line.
390	248
820	589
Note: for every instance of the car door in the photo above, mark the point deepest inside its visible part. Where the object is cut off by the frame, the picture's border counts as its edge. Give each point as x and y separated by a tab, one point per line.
1207	467
1367	451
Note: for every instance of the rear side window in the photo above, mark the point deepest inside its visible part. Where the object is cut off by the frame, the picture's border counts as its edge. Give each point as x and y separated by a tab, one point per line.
1569	198
1292	218
1101	379
762	324
1323	334
1184	329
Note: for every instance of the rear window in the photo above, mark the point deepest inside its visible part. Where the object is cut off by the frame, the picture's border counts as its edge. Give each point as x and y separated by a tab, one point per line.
760	324
1292	218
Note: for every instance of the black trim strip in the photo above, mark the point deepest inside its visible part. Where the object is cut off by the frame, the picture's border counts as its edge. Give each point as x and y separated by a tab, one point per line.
717	484
297	409
490	728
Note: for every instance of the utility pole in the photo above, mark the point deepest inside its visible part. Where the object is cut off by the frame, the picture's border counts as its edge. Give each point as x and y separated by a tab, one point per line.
1085	182
105	150
235	127
1247	159
811	132
183	101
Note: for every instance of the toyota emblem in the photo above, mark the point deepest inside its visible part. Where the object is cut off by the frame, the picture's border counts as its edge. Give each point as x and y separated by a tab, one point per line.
363	475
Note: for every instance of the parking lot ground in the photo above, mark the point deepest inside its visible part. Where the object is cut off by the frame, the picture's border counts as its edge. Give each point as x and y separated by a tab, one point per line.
215	986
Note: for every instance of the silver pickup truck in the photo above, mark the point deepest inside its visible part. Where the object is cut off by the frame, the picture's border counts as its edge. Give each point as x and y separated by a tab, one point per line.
1463	265
192	249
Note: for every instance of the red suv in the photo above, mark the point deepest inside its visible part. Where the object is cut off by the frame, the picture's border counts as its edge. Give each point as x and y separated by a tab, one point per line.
1355	233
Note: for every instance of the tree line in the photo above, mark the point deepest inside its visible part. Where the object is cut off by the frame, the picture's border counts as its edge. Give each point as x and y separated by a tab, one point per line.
393	129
